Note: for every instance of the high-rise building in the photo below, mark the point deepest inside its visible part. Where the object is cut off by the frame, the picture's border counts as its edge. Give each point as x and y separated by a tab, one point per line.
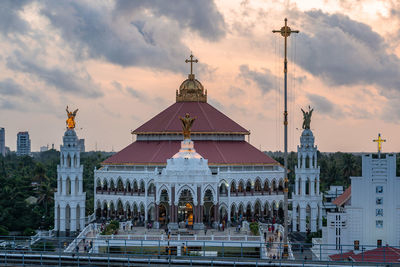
2	142
23	144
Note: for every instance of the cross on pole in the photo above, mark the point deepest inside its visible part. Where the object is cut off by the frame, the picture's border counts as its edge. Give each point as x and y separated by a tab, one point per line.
379	141
285	31
191	60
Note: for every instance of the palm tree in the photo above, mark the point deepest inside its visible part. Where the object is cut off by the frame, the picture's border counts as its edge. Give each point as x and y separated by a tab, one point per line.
45	194
348	165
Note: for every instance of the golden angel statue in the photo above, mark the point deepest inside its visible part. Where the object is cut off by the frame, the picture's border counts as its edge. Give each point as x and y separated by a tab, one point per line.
187	123
307	118
71	118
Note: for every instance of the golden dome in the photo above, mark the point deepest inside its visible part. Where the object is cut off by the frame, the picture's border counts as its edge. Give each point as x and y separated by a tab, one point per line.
191	90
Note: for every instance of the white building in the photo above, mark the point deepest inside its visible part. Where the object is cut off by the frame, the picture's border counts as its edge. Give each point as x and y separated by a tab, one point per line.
69	200
234	181
369	210
23	144
306	199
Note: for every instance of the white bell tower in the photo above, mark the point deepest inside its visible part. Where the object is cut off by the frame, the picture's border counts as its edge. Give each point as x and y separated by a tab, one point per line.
307	199
69	209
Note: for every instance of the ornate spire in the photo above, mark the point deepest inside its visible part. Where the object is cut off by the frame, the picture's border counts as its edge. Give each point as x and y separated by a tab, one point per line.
191	90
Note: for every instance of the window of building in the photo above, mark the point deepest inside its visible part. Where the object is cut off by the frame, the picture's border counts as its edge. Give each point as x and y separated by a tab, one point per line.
379	224
379	243
379	201
379	212
356	245
379	189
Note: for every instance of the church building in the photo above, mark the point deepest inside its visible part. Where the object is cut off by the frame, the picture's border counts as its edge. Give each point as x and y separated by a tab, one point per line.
213	175
369	210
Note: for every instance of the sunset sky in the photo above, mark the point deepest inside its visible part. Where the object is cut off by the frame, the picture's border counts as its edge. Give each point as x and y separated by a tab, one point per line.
120	63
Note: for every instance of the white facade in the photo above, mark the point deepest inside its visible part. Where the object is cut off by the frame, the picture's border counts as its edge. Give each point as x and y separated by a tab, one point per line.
69	200
306	199
216	193
373	217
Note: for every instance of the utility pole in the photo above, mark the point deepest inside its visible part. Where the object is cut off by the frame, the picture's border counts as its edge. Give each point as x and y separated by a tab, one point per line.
285	31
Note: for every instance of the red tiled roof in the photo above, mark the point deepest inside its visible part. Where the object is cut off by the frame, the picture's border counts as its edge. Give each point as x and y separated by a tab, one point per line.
382	254
340	200
208	120
341	256
217	153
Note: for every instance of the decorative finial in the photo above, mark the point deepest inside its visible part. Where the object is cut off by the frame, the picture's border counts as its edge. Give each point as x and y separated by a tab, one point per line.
187	123
71	119
191	60
307	118
379	141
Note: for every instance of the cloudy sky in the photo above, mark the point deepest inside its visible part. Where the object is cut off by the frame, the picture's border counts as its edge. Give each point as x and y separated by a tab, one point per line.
120	63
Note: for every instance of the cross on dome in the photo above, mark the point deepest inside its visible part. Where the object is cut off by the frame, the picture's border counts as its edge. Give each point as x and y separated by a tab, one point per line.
379	141
191	61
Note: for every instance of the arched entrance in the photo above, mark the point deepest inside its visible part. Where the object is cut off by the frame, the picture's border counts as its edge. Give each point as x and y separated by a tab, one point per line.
223	214
208	208
185	207
163	208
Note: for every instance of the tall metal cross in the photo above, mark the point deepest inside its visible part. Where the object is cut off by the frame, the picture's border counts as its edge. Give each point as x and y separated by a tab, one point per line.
285	31
379	141
191	60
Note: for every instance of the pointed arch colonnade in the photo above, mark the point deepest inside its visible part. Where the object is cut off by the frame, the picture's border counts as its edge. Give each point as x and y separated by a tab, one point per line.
147	200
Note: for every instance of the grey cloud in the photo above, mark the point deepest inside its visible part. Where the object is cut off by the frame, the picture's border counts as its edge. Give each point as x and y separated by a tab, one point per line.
73	82
321	103
7	104
264	80
342	51
200	16
9	88
10	20
149	38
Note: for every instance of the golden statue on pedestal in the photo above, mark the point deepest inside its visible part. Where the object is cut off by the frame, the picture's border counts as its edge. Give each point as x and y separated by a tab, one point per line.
71	118
187	123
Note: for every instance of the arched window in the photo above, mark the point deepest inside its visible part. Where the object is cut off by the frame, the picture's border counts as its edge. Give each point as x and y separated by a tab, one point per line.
120	186
112	186
241	187
248	187
151	190
266	187
142	187
76	185
68	186
257	186
223	191
233	187
68	161
308	186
